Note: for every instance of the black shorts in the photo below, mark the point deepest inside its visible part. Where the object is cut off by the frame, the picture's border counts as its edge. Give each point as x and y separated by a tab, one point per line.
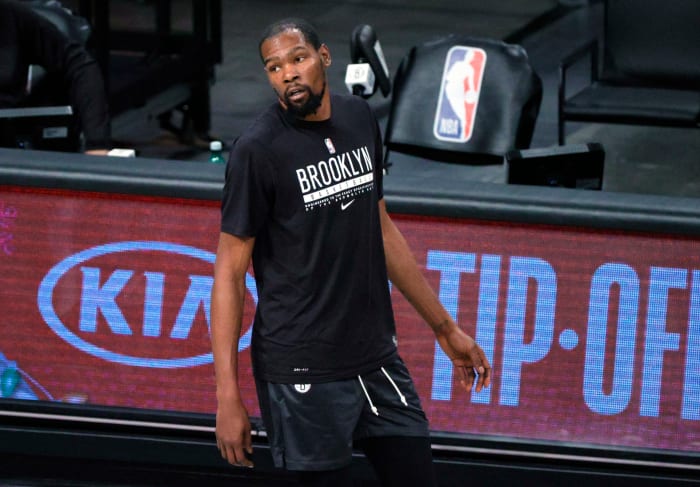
313	426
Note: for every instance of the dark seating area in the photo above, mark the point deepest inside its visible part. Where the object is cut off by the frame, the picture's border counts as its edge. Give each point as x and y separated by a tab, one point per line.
156	69
644	68
153	69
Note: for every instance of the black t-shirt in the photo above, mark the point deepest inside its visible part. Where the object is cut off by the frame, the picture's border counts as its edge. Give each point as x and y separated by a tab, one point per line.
308	192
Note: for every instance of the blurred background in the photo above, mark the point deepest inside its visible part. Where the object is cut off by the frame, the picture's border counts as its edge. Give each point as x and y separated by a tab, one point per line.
181	73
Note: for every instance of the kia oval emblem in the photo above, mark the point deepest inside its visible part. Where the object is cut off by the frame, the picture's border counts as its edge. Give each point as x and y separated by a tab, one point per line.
100	293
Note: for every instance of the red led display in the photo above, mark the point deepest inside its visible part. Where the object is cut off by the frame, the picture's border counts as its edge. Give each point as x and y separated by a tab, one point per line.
594	335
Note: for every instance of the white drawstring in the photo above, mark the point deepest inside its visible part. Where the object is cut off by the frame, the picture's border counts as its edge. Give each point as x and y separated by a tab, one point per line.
369	400
403	398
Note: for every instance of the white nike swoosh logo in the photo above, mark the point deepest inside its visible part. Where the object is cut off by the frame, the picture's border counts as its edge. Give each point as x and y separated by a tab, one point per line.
344	206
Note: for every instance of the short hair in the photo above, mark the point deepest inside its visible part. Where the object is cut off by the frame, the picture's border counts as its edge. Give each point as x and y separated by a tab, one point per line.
292	23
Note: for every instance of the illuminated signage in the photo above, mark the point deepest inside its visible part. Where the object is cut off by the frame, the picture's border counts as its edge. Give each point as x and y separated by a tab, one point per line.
99	293
594	335
610	281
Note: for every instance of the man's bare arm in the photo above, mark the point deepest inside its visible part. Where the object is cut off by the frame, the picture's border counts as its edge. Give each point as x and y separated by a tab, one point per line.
228	293
465	353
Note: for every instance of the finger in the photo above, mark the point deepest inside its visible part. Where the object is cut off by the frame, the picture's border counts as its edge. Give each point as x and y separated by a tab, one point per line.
222	449
484	378
471	375
241	459
477	358
466	377
486	374
248	442
482	367
480	379
461	377
228	454
248	448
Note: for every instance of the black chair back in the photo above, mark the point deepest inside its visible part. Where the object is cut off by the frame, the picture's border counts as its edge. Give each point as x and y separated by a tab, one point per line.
463	99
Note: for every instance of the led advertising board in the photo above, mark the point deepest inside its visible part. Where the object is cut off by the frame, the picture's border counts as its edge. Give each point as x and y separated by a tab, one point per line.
594	334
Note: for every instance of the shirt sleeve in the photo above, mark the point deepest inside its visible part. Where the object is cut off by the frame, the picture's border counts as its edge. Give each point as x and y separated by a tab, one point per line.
248	193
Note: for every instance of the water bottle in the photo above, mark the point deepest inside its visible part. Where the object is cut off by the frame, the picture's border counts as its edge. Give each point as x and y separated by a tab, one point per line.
215	152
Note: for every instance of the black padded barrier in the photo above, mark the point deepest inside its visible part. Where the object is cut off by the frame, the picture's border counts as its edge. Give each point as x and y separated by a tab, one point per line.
434	189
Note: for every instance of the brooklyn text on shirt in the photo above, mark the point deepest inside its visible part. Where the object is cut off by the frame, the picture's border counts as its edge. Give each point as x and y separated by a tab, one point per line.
341	177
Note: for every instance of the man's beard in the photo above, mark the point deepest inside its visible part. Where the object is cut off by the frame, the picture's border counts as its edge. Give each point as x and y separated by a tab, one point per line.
309	107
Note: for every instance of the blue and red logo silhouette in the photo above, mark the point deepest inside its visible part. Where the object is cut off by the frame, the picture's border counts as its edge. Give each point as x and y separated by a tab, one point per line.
460	90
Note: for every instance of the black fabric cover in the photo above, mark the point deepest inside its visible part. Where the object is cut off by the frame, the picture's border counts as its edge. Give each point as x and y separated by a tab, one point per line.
75	27
652	42
511	92
650	69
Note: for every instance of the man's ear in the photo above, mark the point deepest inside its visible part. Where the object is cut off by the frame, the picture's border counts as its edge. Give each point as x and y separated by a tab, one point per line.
325	55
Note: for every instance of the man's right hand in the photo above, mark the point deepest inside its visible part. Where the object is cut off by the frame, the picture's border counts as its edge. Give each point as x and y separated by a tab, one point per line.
233	433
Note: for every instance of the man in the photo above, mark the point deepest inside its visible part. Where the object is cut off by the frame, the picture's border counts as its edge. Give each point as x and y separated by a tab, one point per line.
26	38
303	200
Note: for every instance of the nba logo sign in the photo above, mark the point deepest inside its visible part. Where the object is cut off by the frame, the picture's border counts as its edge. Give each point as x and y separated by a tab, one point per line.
459	93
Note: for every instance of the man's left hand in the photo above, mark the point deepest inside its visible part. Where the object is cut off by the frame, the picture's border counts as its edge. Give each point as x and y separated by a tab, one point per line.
468	358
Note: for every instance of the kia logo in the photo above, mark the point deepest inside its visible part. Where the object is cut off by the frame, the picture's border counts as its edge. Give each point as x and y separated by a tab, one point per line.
103	295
